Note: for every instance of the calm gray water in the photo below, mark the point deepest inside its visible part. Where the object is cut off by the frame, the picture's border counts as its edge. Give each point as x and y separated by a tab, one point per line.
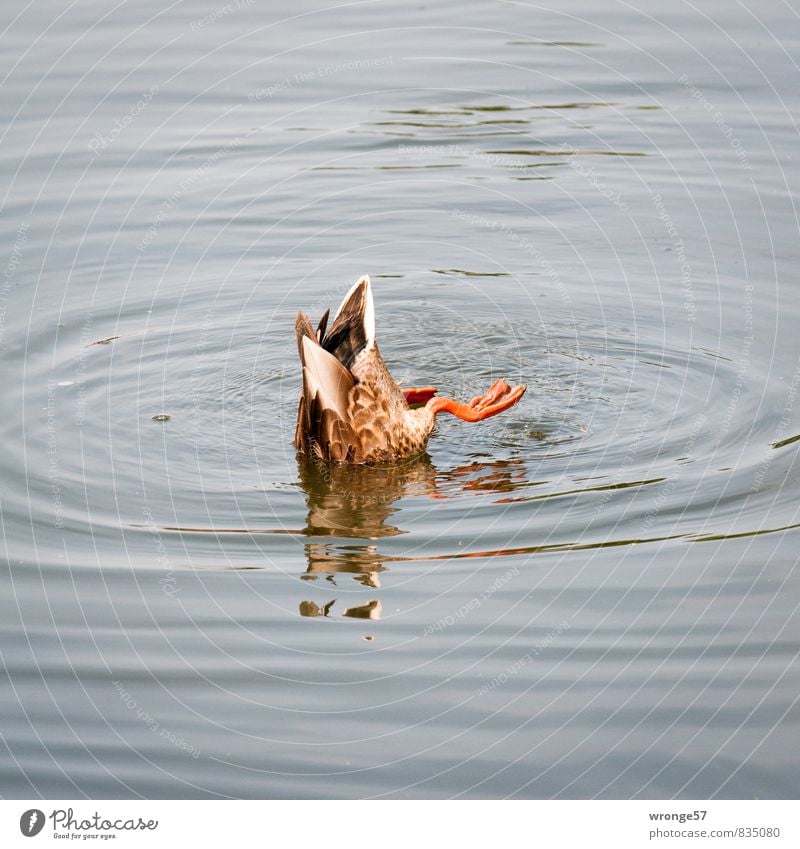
593	595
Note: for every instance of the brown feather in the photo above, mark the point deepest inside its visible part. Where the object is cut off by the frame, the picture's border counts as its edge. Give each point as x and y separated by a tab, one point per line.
302	329
347	337
322	424
301	429
323	324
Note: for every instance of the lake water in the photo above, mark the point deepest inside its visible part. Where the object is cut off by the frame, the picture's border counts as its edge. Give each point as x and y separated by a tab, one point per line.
592	595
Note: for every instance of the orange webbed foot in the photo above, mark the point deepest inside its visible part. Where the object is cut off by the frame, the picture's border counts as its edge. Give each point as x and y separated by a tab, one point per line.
500	396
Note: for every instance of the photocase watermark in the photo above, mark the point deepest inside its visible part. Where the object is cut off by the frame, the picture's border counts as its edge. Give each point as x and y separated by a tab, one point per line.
744	360
525	243
221	12
68	826
10	273
668	487
718	119
459	150
518	665
627	461
588	173
100	141
80	373
473	604
153	724
683	263
53	472
195	382
501	160
169	582
302	77
187	184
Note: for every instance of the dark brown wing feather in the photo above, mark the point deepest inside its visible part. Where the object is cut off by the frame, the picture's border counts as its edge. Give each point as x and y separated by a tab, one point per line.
348	336
301	429
323	324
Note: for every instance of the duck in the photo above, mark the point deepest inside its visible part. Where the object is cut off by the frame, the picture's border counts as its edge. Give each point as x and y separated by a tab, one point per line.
351	409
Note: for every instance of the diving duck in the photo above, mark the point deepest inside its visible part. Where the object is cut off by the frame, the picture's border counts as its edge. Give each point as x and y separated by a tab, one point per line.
351	409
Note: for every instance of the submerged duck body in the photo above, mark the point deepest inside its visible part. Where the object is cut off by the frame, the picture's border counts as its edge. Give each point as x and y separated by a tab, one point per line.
351	409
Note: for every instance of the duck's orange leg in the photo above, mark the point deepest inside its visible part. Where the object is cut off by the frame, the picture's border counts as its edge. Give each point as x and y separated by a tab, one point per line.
419	394
500	396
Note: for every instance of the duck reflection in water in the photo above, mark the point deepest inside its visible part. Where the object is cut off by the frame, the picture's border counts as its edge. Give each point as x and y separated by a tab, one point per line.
359	502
